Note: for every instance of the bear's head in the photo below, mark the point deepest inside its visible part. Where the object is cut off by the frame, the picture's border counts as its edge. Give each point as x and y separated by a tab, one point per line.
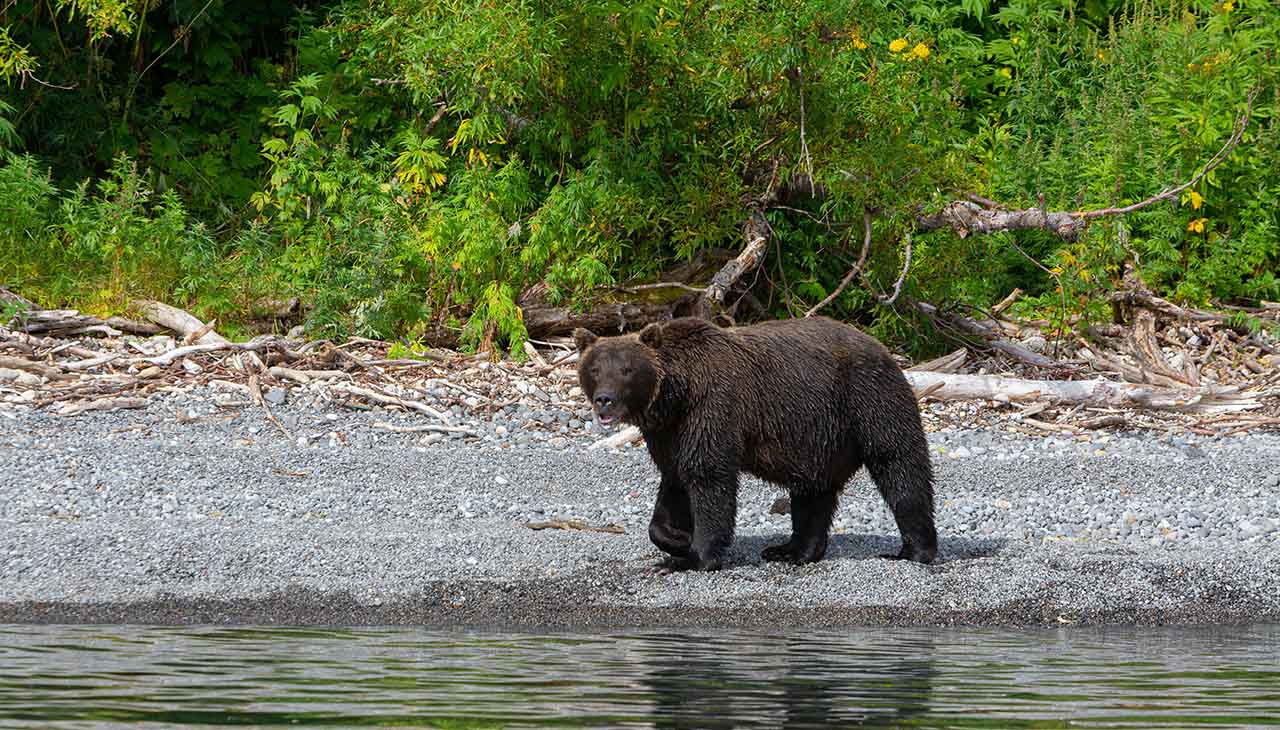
620	375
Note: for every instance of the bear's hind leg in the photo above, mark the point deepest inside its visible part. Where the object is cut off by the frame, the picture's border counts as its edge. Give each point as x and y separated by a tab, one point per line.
811	513
906	483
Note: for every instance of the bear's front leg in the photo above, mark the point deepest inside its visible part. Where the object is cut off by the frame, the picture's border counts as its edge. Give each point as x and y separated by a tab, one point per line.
714	499
671	528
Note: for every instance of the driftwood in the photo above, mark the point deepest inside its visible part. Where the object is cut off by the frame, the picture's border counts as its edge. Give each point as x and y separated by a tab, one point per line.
543	321
171	356
61	323
575	525
534	355
424	428
949	363
1128	373
15	298
90	363
255	394
756	232
304	376
987	335
1095	392
180	321
101	404
965	217
35	368
391	400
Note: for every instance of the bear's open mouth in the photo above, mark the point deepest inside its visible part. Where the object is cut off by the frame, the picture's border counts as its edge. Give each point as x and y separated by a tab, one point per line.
607	418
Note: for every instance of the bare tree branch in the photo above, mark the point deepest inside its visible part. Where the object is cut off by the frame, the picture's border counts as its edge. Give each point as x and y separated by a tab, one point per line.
980	215
897	285
1217	159
862	260
757	232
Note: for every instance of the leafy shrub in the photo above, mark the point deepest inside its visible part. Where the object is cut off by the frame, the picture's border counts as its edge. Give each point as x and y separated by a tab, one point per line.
408	166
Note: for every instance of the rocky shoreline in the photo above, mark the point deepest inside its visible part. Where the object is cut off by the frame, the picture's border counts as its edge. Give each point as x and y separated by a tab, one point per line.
191	510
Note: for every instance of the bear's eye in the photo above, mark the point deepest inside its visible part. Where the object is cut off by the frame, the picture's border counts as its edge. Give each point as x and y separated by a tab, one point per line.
626	371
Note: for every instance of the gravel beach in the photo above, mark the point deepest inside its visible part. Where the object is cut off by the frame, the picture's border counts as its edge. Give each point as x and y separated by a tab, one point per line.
185	512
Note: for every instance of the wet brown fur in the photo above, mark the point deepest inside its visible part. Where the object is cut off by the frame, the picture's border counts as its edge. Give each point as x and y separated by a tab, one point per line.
800	403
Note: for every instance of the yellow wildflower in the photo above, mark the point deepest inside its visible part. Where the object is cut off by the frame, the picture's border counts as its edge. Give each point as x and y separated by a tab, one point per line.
1197	225
856	39
1196	199
897	44
1102	56
1228	6
1006	72
1015	40
921	51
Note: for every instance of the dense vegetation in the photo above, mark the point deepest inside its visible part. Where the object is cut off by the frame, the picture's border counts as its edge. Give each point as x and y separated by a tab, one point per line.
402	166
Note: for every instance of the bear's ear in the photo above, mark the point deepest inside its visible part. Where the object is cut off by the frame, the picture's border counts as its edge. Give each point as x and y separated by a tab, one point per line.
652	335
583	339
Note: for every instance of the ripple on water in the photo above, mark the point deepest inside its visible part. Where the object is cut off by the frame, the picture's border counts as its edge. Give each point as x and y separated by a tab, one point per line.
96	676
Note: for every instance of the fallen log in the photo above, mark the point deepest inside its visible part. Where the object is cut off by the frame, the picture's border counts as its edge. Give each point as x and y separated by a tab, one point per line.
15	298
169	357
544	321
35	368
180	321
965	217
1095	392
304	376
946	364
756	231
991	338
134	327
61	323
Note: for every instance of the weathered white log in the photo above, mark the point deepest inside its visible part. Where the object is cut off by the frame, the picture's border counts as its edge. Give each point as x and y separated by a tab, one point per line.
756	232
1095	392
534	355
946	364
178	320
169	357
35	368
61	323
91	362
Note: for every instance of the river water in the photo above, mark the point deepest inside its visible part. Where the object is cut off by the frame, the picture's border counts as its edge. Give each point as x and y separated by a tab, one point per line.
151	677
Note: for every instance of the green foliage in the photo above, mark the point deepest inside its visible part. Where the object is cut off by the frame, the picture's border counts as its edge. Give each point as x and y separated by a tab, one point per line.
405	166
100	246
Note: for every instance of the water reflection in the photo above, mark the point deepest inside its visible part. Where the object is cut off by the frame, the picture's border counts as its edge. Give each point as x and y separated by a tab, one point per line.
790	682
118	677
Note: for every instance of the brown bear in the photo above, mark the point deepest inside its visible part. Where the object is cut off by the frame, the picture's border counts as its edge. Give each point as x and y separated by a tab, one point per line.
800	403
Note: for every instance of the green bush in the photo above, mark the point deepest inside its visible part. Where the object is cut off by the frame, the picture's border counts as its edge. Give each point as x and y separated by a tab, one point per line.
406	166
